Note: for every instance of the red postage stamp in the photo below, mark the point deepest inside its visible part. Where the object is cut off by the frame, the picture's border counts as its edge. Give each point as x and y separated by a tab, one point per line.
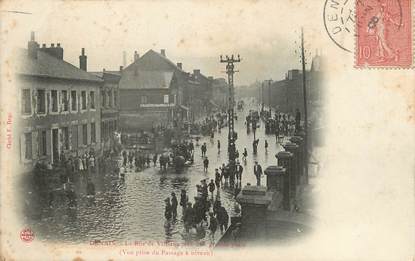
384	33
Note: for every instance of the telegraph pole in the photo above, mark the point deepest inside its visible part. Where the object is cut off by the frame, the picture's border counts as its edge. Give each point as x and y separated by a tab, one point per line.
305	108
269	96
232	136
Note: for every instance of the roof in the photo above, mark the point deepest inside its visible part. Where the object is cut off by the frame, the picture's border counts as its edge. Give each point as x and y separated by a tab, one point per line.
152	60
150	71
145	79
46	65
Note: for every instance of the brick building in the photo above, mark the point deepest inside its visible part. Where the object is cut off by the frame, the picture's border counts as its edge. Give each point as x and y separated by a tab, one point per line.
60	112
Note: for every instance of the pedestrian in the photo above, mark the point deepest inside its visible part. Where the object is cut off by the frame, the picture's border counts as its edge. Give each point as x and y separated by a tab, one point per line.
226	173
213	225
218	178
183	198
218	146
266	145
239	170
188	217
211	187
155	156
297	120
168	209
257	173
174	205
223	218
90	188
205	164
245	154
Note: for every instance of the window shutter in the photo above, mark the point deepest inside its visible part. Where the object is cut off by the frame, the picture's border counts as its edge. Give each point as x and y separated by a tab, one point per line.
35	144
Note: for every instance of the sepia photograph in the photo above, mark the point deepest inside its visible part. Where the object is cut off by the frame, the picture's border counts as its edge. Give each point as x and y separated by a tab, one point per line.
150	129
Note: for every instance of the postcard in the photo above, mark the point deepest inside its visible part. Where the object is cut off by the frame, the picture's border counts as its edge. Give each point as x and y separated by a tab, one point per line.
207	130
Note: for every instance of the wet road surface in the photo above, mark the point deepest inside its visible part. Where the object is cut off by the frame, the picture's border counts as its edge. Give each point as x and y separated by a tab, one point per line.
133	209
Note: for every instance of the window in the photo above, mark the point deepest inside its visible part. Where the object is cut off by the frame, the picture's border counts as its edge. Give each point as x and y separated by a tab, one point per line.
103	99
83	102
92	98
73	101
41	101
84	134
28	145
110	98
65	100
93	133
166	98
26	102
143	99
65	137
42	142
54	97
115	99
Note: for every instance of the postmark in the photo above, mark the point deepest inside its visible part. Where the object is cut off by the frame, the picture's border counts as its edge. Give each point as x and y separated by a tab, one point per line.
339	22
27	235
384	34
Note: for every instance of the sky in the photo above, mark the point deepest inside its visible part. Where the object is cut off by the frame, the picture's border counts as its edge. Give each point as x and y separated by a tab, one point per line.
265	33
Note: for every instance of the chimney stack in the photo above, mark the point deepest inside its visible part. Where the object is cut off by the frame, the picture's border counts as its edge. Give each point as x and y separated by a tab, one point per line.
32	46
180	66
163	52
136	56
196	71
121	67
83	60
55	51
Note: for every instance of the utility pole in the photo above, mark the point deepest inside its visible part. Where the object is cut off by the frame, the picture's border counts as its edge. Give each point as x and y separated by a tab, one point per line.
306	156
262	97
269	96
232	136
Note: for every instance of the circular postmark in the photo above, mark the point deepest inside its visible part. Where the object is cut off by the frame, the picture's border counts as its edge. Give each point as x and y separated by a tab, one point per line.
27	235
339	22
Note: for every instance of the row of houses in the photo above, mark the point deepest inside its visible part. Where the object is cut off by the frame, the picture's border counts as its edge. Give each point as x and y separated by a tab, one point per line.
67	110
286	95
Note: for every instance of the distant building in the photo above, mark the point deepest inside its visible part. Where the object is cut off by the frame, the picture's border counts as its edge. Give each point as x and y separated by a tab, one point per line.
151	93
60	111
220	92
287	95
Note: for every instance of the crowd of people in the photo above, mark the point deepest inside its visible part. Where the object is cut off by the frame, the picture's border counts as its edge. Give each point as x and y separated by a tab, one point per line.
205	213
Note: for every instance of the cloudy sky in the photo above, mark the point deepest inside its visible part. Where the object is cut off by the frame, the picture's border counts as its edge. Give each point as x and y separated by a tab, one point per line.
264	33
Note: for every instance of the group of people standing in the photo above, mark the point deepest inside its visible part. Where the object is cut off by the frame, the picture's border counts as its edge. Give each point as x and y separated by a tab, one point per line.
204	212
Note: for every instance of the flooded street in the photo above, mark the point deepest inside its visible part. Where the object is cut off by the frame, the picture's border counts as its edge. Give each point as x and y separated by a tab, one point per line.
133	209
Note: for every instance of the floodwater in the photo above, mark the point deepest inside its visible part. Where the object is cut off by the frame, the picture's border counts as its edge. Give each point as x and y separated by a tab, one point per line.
133	209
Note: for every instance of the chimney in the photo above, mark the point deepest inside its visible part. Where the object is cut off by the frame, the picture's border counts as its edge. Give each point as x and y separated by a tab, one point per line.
180	66
83	60
121	67
163	52
136	56
56	52
32	46
59	51
196	71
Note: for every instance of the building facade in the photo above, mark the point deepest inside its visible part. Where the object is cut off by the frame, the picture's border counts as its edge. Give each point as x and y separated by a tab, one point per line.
110	105
151	93
60	110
